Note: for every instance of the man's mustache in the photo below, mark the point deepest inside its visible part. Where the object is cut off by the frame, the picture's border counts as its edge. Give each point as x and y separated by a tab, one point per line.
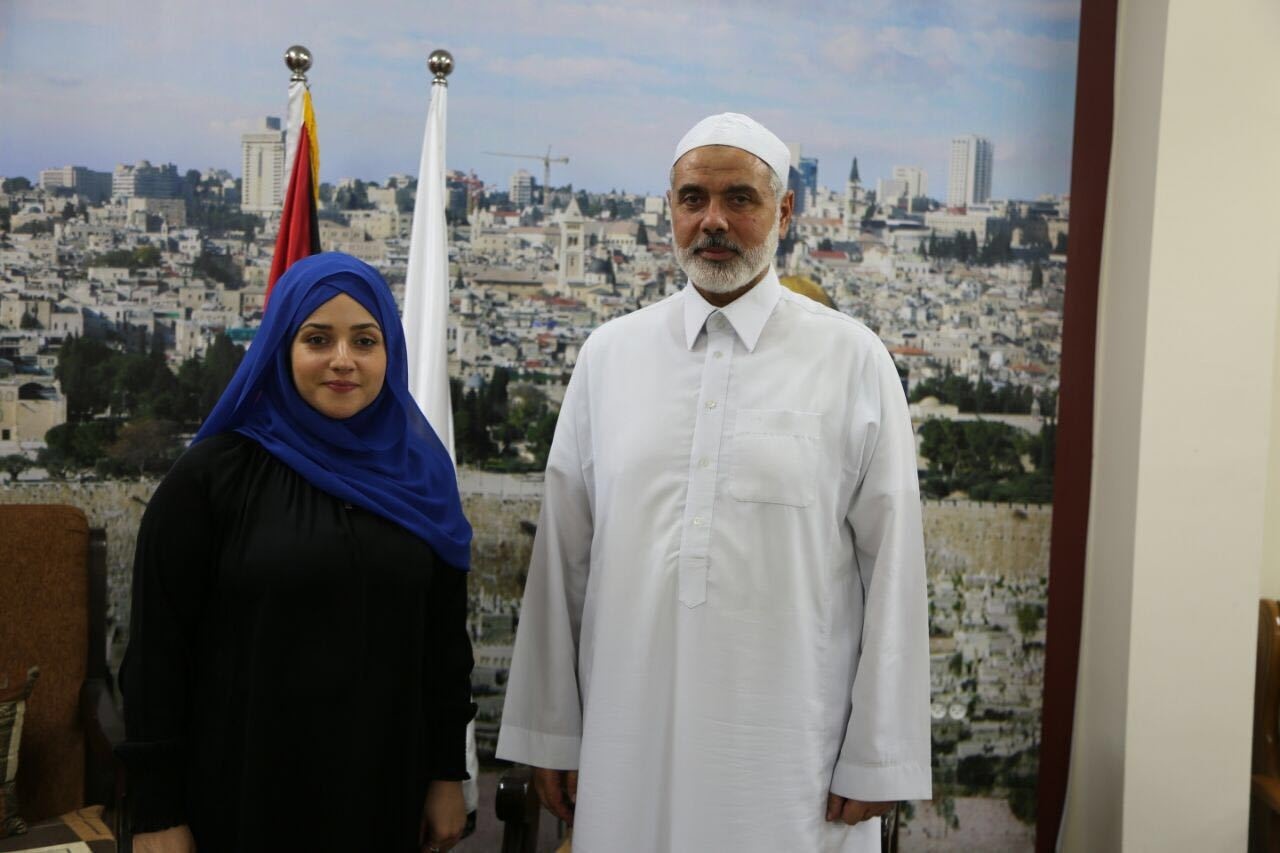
715	241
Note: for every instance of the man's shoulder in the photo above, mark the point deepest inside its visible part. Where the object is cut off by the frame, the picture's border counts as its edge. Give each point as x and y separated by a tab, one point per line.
827	321
630	327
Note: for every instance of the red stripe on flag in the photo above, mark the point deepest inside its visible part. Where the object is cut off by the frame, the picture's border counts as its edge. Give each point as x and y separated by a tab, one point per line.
297	238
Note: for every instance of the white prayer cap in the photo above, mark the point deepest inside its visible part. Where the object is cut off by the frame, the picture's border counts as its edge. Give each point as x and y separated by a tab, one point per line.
738	131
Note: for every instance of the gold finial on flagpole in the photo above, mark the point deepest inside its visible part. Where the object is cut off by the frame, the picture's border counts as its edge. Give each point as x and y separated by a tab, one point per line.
298	58
440	64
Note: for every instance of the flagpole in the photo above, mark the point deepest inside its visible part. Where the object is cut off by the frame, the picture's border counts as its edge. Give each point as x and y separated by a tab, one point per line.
299	232
298	60
426	309
426	292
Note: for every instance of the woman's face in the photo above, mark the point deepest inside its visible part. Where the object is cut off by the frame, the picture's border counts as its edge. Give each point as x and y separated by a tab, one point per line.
339	358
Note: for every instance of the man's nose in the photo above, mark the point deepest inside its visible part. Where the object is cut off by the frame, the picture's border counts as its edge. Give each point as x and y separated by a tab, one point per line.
713	218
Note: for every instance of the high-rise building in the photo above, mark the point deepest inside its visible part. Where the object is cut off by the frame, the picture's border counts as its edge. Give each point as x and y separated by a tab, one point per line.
142	180
917	180
889	191
802	177
95	186
969	181
262	168
521	188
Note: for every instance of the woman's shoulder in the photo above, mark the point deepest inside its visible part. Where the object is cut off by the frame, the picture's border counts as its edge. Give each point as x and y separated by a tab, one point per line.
213	460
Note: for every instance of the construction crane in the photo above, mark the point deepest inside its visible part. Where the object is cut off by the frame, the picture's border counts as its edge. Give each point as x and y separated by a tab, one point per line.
546	159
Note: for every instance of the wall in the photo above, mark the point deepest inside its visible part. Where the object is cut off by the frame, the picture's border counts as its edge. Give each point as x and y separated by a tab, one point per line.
1186	350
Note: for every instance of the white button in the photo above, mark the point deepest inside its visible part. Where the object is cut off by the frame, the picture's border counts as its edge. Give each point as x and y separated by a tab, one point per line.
698	521
704	462
711	404
718	354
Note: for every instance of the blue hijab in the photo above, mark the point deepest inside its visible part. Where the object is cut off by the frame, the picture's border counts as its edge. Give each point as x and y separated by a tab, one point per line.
385	458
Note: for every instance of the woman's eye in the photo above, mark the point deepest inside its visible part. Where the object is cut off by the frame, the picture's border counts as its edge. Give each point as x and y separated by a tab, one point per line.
314	340
367	342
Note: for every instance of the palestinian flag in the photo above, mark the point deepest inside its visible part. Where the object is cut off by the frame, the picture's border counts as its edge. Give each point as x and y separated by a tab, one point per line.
299	226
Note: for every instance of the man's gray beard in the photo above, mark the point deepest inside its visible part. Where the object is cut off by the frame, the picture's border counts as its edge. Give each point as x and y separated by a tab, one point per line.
733	274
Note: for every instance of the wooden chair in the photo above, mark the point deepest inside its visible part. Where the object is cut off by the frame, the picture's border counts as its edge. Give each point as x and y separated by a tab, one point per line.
53	593
519	809
1264	804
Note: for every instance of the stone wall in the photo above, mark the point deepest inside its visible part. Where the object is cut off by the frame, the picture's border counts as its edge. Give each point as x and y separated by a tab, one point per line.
1006	540
961	536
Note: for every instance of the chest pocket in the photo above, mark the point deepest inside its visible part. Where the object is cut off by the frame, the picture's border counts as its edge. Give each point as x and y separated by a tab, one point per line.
775	456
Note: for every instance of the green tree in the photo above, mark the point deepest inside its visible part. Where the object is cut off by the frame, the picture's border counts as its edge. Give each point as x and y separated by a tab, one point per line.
16	184
76	446
85	369
144	446
14	464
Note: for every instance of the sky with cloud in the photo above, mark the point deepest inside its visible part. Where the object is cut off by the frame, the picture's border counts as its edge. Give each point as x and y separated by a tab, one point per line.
610	85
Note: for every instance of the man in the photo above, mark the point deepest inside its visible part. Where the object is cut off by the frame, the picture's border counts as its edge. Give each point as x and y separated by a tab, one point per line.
724	629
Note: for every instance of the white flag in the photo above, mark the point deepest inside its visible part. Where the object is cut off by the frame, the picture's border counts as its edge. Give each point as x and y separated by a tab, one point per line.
293	125
426	312
426	287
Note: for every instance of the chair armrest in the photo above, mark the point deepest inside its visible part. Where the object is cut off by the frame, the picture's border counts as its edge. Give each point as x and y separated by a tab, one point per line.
103	725
889	830
104	773
517	805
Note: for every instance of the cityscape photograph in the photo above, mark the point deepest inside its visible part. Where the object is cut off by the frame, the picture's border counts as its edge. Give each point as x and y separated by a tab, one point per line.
143	167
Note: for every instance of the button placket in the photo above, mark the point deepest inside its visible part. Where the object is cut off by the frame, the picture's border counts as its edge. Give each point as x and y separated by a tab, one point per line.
695	540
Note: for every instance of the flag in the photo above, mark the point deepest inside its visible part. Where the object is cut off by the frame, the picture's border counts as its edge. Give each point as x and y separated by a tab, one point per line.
299	226
425	318
426	287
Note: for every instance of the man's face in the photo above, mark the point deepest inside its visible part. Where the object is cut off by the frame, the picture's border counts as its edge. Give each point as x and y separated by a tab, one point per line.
725	217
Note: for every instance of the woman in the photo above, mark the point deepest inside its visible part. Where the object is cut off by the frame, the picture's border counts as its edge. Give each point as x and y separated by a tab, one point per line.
298	669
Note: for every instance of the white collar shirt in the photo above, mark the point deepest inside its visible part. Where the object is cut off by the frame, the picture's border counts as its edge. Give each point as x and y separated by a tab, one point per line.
725	615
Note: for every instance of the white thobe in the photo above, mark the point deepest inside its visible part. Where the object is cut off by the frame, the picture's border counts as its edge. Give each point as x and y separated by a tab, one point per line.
725	615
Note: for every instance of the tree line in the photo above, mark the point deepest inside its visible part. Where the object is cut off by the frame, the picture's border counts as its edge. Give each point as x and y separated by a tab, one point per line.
982	396
126	410
493	421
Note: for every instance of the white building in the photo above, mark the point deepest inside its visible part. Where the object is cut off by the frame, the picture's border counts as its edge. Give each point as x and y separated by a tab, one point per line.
262	168
969	181
916	179
890	190
143	180
95	186
521	188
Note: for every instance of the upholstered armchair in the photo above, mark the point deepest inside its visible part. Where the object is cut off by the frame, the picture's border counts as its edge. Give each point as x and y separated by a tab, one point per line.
52	616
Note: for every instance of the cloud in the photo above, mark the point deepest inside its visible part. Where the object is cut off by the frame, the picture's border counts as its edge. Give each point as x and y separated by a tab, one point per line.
567	72
1037	52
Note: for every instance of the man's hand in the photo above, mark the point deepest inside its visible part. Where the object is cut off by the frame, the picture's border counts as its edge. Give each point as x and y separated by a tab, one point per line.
175	839
558	790
444	815
854	811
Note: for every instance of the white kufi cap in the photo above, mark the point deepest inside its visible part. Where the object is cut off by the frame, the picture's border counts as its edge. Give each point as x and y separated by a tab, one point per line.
738	131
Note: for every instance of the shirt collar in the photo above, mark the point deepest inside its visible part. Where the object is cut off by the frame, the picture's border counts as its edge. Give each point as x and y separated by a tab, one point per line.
747	314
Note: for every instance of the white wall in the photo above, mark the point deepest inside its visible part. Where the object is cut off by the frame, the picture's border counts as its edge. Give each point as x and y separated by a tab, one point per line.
1185	395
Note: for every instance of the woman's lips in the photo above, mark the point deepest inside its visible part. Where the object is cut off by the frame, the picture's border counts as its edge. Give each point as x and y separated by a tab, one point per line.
341	387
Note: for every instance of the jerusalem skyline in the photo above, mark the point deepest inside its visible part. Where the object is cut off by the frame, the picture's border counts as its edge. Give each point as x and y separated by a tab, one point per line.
609	87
